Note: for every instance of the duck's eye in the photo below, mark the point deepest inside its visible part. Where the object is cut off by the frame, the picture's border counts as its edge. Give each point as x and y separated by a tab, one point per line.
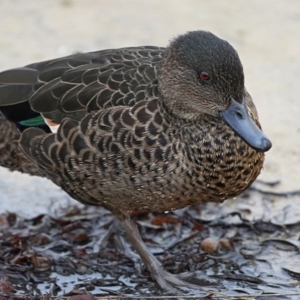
204	76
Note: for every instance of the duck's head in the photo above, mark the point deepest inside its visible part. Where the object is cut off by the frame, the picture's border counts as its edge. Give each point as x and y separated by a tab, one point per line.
202	74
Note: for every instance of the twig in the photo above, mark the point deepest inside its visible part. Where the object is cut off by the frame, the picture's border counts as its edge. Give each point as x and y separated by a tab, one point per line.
278	194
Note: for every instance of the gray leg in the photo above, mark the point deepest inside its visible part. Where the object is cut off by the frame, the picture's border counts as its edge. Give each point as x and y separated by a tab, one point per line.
162	277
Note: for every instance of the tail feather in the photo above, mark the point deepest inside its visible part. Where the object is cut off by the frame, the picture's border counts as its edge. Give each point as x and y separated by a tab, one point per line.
11	156
18	75
14	93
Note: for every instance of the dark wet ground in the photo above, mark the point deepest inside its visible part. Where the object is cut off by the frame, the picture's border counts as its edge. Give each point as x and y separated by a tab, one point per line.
248	246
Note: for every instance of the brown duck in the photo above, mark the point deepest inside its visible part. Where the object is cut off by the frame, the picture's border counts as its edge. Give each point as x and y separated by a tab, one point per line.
141	128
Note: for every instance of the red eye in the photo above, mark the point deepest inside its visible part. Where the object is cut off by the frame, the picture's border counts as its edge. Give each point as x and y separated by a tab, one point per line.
204	76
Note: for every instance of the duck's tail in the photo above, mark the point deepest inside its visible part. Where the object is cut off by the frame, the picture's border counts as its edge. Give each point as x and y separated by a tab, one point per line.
11	156
16	115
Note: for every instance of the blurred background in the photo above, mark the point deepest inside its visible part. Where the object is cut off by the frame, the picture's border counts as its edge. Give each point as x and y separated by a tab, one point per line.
265	34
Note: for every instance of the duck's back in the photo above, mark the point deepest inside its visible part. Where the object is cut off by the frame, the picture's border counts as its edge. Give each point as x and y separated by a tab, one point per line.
72	85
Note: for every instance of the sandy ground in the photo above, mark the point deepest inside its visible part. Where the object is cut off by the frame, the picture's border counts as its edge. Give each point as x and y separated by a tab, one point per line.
265	34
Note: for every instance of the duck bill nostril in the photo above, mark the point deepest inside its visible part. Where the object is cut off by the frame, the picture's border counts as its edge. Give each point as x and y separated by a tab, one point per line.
237	117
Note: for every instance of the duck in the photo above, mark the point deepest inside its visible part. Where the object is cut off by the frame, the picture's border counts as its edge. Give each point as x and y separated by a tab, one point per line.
146	128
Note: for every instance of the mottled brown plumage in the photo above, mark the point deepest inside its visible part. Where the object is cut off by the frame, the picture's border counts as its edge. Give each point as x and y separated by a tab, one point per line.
11	156
141	128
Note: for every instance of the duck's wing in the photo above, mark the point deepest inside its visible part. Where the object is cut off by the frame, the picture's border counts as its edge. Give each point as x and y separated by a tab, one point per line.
91	158
76	84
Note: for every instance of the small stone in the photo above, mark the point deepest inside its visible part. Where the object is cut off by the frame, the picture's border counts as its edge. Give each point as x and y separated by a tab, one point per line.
209	245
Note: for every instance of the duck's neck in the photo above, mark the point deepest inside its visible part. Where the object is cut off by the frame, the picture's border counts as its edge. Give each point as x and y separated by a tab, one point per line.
190	128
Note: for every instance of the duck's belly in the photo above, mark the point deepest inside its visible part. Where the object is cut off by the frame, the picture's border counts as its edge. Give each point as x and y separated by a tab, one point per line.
167	185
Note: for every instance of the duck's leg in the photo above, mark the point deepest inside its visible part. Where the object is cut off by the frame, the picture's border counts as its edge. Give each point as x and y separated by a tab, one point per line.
165	279
122	244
